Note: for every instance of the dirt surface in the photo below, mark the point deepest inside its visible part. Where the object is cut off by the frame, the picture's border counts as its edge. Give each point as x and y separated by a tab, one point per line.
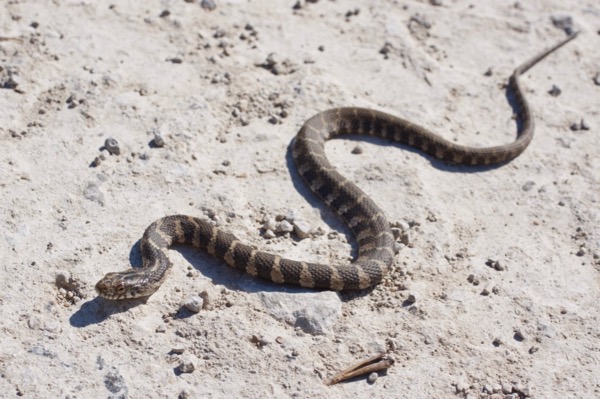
502	263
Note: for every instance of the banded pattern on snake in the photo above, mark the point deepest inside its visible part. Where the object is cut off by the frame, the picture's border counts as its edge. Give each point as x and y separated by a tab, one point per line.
365	219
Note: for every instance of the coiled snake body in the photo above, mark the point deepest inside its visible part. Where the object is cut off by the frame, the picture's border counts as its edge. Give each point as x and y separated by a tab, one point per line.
366	221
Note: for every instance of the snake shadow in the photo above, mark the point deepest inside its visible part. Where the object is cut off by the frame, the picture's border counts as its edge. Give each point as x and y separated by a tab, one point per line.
97	310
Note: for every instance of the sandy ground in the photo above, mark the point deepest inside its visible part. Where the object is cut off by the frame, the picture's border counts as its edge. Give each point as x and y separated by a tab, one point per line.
74	73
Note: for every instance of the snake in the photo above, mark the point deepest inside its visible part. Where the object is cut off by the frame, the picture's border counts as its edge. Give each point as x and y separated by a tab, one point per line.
367	222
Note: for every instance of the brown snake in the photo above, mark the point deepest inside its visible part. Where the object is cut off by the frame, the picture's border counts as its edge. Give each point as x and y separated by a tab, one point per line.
364	218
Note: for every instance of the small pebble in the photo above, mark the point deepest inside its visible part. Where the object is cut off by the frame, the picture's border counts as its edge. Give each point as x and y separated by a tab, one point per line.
489	72
597	79
269	234
284	227
584	125
555	91
357	150
185	394
403	224
372	377
194	303
178	350
533	349
12	82
112	146
187	366
581	251
205	297
302	229
386	50
158	140
519	336
161	329
208	5
72	101
497	341
270	224
486	290
411	299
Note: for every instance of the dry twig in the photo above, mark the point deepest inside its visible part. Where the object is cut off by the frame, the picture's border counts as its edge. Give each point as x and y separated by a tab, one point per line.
376	363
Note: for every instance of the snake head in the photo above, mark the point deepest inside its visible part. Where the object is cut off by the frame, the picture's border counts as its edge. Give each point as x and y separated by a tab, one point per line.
124	285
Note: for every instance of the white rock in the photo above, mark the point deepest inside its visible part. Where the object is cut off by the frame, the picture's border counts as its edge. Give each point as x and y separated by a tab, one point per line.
187	366
313	312
194	303
292	215
302	229
284	227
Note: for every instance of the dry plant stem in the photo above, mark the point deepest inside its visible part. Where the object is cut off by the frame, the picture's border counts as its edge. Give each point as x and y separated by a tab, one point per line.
376	363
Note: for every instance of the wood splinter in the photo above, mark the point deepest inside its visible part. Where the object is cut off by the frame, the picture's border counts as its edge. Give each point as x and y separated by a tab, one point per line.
376	363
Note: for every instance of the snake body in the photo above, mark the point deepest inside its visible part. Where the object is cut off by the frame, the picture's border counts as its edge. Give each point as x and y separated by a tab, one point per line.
364	218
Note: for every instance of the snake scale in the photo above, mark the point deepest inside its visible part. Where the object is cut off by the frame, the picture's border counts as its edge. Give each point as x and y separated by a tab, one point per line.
364	218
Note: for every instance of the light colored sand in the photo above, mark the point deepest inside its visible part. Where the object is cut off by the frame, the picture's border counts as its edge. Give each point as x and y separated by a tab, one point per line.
115	62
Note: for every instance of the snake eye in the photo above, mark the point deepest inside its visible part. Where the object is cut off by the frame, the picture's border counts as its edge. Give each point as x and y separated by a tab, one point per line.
121	288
